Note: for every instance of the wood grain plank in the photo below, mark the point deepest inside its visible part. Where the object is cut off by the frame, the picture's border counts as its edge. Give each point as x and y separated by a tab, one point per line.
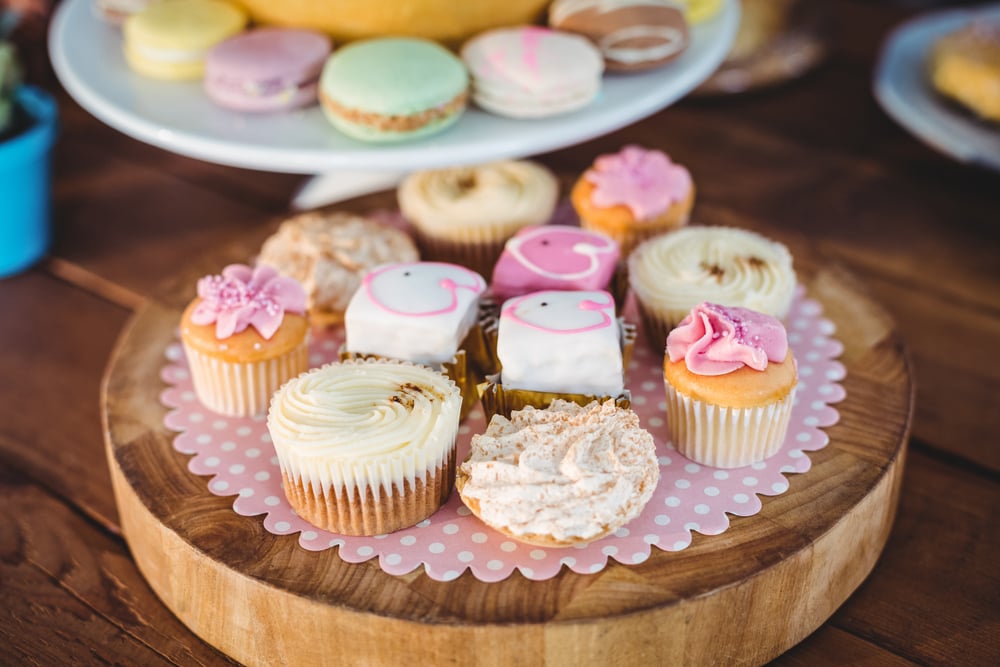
72	595
56	339
144	225
266	191
958	386
831	647
932	598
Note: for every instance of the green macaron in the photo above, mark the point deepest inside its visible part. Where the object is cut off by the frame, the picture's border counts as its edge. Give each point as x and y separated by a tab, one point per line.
393	89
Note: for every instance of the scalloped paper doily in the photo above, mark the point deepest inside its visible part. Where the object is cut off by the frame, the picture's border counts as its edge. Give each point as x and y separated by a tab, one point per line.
238	454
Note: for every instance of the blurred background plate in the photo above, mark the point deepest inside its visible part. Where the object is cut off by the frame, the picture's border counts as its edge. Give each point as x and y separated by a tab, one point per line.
902	88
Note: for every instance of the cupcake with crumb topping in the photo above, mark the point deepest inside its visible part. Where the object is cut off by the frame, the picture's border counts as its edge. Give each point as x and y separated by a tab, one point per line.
562	476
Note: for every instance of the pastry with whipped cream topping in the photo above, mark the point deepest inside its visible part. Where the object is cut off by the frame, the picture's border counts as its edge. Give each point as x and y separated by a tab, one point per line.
730	381
632	35
245	335
562	476
366	447
464	215
633	195
329	253
672	273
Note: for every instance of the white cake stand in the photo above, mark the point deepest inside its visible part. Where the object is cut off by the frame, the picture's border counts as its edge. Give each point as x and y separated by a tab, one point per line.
177	116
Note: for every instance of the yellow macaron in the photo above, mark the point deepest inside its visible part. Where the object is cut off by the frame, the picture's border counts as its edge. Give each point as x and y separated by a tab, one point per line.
169	40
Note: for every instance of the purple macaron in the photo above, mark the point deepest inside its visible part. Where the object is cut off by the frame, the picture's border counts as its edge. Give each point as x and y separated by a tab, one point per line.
268	69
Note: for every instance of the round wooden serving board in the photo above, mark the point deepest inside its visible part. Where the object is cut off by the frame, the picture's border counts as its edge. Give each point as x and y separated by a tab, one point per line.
742	597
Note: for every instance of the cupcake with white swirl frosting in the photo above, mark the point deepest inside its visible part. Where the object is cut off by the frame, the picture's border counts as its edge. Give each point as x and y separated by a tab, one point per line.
366	447
672	273
464	215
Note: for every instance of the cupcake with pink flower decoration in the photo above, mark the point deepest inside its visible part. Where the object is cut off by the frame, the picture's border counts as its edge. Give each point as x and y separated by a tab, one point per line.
245	335
633	195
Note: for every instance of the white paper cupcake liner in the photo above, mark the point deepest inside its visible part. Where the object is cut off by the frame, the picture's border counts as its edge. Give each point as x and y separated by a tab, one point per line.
243	389
724	437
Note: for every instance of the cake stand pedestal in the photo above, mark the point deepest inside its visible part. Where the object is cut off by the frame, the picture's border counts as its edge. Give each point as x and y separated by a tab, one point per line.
739	598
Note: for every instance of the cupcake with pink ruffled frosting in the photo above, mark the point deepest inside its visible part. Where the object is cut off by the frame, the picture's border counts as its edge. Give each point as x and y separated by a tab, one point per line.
245	335
730	381
633	195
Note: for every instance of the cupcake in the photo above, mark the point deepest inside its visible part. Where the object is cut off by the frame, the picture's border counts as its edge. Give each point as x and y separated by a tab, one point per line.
329	253
671	274
558	344
466	214
554	257
633	195
366	447
560	477
424	312
244	336
730	382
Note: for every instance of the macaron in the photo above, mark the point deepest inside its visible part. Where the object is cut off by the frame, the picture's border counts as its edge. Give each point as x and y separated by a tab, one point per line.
170	40
631	34
530	72
393	89
268	69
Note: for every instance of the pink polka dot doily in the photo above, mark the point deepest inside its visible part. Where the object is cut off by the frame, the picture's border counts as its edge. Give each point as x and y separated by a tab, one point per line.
237	453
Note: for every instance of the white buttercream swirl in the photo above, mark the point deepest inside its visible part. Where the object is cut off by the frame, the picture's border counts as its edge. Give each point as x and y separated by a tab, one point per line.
364	424
674	272
508	194
573	473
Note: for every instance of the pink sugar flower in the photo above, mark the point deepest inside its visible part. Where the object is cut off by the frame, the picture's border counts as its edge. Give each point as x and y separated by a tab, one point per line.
243	297
645	181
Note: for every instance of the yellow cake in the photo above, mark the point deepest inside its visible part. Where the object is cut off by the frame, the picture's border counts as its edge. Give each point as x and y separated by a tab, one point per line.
442	20
965	66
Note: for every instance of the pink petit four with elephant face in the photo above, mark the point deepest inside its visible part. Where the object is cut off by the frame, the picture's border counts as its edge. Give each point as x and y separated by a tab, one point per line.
561	341
415	311
554	257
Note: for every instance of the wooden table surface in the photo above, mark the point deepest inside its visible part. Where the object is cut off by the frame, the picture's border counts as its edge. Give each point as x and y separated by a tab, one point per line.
815	160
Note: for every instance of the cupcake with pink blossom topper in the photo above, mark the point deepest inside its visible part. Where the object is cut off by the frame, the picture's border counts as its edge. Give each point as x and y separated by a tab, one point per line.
245	334
633	195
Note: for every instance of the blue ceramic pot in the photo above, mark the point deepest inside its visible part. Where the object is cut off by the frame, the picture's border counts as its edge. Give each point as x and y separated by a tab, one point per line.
25	184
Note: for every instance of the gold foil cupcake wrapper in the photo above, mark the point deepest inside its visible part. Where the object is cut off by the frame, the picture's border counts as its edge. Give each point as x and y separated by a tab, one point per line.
500	400
243	389
724	437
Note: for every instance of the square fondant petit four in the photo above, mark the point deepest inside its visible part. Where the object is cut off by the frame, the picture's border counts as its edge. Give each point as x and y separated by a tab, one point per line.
561	341
415	311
